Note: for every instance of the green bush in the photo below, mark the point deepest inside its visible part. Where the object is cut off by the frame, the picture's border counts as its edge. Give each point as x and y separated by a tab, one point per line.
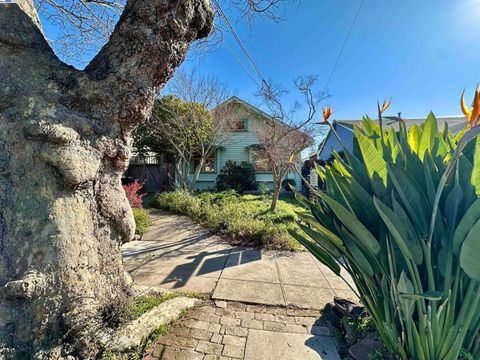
239	177
402	216
242	218
142	220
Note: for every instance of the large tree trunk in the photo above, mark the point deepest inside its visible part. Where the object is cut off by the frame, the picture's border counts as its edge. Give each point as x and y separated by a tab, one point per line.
64	143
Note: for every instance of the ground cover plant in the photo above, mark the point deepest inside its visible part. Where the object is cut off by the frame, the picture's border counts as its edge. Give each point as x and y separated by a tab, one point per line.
142	220
402	215
242	218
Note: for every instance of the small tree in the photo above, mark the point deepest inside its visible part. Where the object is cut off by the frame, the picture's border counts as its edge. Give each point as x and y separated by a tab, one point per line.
282	137
189	133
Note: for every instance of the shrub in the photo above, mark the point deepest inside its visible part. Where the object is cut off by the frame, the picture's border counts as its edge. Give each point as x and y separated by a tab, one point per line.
142	220
133	196
402	216
239	177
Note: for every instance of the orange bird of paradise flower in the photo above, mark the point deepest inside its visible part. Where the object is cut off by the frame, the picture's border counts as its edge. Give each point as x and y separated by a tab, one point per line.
327	112
385	105
472	114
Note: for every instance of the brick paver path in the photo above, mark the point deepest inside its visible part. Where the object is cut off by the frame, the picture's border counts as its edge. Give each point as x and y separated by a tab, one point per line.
231	330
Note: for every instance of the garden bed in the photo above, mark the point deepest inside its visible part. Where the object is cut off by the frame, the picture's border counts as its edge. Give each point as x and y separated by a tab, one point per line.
244	219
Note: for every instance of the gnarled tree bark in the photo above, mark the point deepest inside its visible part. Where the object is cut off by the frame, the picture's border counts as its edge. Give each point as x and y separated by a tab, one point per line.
64	143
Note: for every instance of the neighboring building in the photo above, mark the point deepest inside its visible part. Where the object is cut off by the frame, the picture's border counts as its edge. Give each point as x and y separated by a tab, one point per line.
238	147
344	129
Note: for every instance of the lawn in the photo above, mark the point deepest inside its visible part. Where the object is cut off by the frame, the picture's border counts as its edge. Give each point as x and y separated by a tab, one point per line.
242	219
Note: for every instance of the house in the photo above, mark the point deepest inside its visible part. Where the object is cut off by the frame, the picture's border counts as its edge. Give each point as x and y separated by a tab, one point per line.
239	145
344	129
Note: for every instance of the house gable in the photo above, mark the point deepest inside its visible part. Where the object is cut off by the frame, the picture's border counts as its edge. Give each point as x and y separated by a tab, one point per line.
331	142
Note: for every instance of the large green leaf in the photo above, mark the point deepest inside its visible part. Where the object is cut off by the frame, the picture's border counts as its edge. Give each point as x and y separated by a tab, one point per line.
414	135
410	247
472	216
453	205
374	162
429	132
370	127
403	217
405	286
359	171
469	253
428	295
351	222
359	259
333	187
322	240
320	171
412	198
321	214
359	200
475	178
333	238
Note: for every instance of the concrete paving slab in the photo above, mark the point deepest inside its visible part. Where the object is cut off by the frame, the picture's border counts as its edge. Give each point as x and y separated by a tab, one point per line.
301	273
336	282
199	284
296	256
307	297
266	345
347	294
251	265
249	291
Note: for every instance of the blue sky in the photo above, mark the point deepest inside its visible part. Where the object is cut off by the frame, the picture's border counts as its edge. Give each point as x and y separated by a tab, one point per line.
420	53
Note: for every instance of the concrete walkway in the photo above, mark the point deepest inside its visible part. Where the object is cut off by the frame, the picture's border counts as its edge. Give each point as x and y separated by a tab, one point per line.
177	254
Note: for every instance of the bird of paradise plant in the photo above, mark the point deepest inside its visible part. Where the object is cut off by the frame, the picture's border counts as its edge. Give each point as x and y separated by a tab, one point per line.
401	215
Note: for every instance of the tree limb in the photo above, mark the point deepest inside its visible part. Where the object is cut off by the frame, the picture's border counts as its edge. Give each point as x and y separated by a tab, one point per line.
150	40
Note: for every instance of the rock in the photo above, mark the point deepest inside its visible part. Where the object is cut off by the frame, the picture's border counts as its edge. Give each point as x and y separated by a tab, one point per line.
363	348
332	316
131	336
349	308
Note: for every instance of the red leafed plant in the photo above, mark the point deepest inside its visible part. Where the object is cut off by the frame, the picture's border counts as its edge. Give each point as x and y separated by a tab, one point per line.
133	195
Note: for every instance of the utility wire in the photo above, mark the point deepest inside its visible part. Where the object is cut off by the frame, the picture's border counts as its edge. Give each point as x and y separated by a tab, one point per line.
240	63
242	46
343	47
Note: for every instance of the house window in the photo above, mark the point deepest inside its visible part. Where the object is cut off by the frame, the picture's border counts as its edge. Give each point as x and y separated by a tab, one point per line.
208	166
261	165
238	126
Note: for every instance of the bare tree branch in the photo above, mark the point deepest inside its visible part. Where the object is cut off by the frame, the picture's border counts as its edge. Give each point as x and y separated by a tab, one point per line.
209	90
84	26
286	135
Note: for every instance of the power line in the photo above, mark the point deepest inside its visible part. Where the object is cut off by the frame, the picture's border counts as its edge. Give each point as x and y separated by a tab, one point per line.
343	46
242	46
241	64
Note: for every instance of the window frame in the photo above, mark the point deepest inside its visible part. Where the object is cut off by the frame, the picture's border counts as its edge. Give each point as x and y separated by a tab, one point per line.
203	170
